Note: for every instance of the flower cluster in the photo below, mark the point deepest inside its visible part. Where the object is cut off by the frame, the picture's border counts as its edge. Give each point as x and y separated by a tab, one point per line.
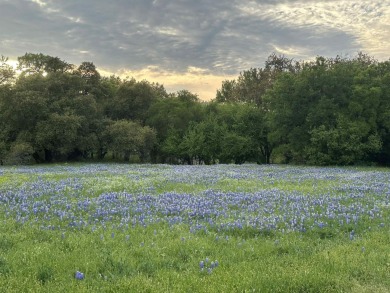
207	266
81	198
79	275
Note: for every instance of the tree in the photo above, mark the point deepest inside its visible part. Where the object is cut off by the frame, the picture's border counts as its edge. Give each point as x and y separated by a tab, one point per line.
203	141
7	73
126	138
133	100
171	116
327	112
57	136
31	63
348	143
252	84
89	75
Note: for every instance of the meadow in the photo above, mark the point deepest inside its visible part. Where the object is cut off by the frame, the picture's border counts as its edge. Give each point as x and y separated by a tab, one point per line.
222	228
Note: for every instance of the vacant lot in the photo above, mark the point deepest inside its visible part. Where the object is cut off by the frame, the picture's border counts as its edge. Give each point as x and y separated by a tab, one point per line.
226	228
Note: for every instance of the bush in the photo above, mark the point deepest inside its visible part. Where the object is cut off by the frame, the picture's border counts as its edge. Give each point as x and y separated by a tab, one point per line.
20	154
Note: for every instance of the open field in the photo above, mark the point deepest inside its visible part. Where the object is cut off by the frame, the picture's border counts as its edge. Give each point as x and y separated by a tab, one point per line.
226	228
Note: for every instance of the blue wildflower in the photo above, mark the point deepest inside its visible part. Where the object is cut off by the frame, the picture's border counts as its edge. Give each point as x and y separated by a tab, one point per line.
201	264
79	276
352	235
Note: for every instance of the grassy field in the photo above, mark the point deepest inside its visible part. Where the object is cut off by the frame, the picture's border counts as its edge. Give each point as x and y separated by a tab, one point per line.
226	228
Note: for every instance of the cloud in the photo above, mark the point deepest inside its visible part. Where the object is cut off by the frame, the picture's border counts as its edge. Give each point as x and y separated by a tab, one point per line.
220	37
197	80
367	23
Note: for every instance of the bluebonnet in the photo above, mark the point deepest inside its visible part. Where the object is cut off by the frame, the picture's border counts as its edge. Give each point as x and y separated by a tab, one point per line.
75	203
206	265
201	264
352	235
79	275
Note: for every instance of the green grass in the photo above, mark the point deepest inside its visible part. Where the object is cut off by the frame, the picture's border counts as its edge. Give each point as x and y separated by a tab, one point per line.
166	261
163	258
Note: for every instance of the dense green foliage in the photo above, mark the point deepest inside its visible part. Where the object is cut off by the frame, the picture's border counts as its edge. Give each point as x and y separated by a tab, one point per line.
330	111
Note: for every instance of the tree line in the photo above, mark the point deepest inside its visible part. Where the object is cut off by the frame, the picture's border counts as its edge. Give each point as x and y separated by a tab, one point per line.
327	111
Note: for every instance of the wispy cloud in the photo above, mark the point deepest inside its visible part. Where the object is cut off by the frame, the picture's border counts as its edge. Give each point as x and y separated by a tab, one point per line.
366	22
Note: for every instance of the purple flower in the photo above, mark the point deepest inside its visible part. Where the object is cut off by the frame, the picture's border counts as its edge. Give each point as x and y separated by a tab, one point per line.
79	276
351	235
201	264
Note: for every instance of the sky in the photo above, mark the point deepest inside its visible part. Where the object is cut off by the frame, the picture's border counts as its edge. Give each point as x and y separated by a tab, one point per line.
192	44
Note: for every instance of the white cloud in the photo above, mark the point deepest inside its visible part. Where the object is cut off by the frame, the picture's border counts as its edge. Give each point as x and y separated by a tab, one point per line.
170	31
368	22
39	2
291	50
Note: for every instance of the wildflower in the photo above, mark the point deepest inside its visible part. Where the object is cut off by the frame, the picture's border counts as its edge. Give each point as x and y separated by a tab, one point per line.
216	263
79	276
352	235
201	264
209	270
